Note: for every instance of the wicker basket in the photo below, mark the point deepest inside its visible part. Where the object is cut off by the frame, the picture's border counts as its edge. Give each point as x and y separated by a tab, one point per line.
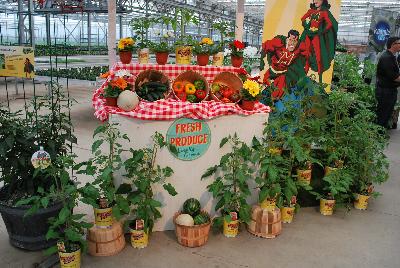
106	242
191	76
230	80
265	223
191	236
153	76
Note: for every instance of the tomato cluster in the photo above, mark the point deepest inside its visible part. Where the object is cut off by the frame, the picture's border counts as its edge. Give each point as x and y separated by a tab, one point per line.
225	93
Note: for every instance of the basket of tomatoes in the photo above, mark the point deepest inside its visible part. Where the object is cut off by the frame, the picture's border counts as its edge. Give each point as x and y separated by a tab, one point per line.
226	88
190	86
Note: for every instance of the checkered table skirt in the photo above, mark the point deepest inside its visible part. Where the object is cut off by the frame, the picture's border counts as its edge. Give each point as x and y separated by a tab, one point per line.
170	109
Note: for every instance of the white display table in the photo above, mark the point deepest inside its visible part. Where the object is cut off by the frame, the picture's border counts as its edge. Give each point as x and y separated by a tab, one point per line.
187	174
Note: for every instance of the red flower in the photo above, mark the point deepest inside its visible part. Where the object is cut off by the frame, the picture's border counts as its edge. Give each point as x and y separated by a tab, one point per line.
238	44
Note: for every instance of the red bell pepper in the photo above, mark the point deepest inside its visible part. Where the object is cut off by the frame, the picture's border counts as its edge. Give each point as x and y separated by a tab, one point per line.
200	94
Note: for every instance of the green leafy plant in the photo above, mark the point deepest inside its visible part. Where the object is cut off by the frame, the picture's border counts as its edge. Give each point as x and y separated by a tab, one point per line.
46	123
143	174
140	27
102	167
223	28
231	187
182	18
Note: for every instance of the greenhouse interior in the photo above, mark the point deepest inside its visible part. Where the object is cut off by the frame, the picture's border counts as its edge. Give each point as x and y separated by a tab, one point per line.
144	133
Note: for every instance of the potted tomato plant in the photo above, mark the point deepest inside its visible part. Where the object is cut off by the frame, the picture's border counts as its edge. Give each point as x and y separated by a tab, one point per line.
231	187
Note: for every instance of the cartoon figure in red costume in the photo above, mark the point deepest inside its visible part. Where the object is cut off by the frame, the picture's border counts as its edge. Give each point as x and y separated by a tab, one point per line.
287	61
320	32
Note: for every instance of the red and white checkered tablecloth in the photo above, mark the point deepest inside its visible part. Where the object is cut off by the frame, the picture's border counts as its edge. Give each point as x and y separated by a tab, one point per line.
170	109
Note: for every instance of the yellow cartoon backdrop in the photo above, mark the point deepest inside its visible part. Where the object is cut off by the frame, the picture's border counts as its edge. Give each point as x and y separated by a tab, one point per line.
316	24
17	61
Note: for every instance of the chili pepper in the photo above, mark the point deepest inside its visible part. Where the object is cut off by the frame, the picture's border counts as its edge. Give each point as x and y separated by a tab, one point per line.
181	96
191	98
200	94
178	87
190	89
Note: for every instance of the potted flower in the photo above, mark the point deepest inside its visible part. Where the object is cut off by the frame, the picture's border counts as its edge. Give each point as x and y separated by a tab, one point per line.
231	187
218	50
140	27
125	49
203	50
143	174
162	49
114	87
67	228
45	124
237	48
250	94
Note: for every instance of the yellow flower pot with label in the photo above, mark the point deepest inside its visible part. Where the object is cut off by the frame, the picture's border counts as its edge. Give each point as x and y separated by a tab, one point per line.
326	206
103	217
304	175
70	260
361	202
183	55
268	204
231	229
139	238
287	214
218	59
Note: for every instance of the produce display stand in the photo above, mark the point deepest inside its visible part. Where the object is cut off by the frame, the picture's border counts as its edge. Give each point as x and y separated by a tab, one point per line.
148	117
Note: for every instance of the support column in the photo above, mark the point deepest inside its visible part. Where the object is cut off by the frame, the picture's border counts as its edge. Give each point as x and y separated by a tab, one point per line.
48	29
21	25
31	23
112	25
89	31
121	29
239	20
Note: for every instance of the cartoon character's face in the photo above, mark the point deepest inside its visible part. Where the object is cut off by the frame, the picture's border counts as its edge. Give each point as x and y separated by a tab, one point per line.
318	3
291	42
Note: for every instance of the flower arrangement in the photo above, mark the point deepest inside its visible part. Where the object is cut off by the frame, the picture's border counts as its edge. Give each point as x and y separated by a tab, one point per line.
251	90
115	87
237	48
204	46
126	44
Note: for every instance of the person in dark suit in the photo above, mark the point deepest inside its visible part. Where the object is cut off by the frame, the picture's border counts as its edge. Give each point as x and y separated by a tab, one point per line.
387	81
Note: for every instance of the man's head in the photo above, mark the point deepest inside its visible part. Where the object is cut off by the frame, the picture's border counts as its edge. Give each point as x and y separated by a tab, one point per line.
292	40
317	4
393	44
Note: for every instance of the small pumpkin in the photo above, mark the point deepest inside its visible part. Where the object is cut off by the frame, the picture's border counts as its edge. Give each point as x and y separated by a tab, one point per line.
127	100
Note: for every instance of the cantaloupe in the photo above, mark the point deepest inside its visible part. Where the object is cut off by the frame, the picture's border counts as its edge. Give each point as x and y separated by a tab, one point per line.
127	100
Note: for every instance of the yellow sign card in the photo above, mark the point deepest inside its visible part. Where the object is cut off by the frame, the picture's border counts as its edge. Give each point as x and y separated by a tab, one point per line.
17	61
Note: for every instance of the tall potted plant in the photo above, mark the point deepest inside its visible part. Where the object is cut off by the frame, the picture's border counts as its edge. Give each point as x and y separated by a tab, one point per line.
45	124
218	50
231	187
203	50
142	174
125	49
140	27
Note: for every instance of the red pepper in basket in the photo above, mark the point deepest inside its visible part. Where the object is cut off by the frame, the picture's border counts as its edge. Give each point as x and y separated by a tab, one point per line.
200	94
181	96
227	93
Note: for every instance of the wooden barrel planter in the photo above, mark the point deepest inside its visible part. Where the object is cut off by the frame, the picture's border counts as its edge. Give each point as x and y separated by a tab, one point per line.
264	223
106	242
192	236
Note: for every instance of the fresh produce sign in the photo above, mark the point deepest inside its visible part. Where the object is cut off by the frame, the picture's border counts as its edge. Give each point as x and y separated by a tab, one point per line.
190	137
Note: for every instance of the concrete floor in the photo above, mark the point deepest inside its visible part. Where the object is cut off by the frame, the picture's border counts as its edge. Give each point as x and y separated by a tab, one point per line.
356	239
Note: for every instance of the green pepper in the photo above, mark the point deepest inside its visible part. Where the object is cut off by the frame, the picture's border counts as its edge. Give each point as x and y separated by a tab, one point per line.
191	98
199	84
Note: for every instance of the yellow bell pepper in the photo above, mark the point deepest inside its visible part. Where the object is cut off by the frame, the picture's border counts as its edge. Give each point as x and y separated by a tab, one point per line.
190	89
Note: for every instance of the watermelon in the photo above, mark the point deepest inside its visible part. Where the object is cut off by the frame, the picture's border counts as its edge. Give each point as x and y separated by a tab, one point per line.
191	207
201	218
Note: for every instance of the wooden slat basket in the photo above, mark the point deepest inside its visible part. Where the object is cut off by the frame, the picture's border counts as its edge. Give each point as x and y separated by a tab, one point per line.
192	236
265	223
106	242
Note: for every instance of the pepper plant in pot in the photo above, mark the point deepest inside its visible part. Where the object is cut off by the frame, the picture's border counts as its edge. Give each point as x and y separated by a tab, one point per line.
101	193
125	49
45	123
203	49
218	49
230	186
141	26
143	174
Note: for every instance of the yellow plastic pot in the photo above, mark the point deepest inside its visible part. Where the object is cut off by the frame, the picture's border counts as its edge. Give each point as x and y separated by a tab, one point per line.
103	217
268	204
361	202
183	55
70	260
287	214
231	229
304	175
326	206
139	238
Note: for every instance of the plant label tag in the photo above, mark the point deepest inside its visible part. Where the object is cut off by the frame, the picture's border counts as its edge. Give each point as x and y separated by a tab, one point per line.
41	159
139	225
60	246
234	216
